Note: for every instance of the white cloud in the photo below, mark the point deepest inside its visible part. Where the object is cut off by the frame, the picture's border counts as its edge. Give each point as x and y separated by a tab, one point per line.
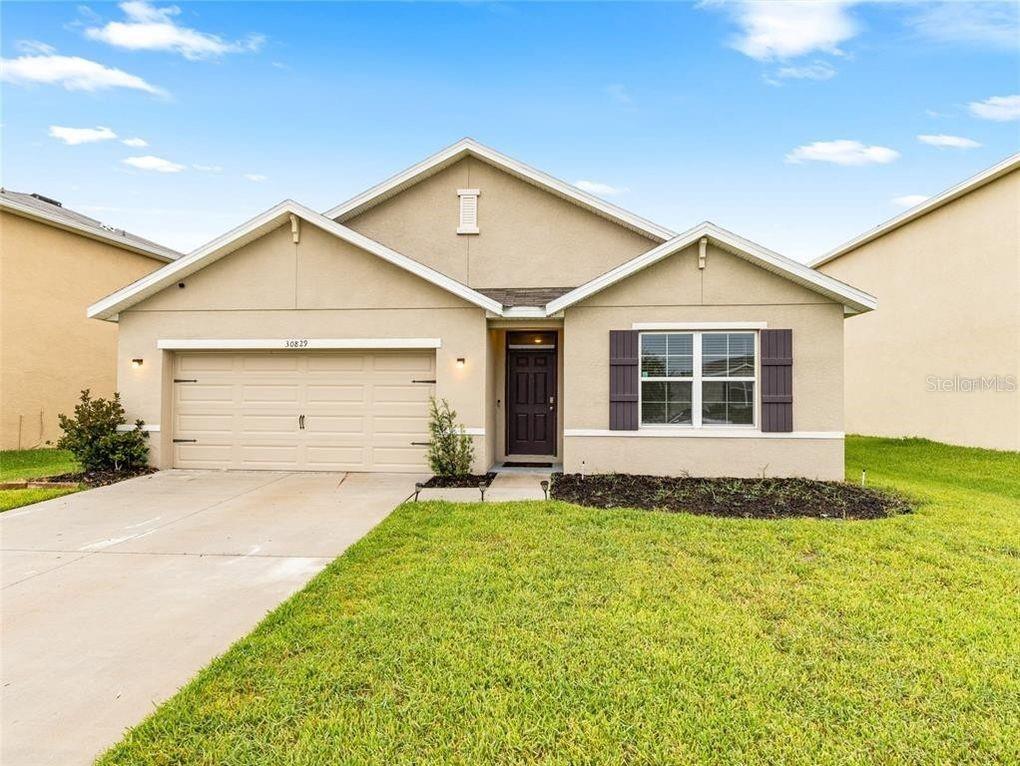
156	164
816	70
153	28
256	177
136	143
34	47
782	29
208	168
954	142
842	152
73	72
986	24
909	200
998	108
75	136
619	93
597	187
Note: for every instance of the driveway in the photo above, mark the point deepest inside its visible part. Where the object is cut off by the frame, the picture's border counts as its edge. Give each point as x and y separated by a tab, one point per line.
113	598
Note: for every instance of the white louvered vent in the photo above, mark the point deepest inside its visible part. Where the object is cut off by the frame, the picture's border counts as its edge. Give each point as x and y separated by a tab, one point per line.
468	211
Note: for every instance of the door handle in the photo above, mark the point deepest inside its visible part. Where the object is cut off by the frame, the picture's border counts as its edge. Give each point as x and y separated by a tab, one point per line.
301	422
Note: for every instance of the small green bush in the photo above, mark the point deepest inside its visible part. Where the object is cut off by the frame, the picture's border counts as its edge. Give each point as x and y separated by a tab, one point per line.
92	436
450	449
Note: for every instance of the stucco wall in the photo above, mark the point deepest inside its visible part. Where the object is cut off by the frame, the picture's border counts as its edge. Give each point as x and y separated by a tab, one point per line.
528	237
729	289
320	288
948	286
49	350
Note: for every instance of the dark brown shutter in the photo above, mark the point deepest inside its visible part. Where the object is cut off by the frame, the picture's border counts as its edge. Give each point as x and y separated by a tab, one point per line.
623	380
776	380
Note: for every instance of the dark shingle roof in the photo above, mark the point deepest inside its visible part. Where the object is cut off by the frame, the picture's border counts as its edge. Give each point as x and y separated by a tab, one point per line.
523	296
54	210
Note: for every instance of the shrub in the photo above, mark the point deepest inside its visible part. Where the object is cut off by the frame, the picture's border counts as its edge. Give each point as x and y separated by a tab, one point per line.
450	449
92	436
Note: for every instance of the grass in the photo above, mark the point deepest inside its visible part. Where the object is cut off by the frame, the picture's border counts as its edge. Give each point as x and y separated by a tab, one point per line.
17	465
16	498
35	463
550	633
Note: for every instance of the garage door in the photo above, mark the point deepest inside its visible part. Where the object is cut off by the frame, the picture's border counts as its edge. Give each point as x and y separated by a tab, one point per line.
302	411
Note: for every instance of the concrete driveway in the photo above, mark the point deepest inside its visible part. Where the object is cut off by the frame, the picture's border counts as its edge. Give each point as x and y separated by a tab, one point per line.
112	599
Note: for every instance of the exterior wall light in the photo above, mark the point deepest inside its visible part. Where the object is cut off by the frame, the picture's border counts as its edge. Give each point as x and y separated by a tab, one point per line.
136	363
460	361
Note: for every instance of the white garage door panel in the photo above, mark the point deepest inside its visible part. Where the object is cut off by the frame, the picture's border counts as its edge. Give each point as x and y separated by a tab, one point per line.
362	410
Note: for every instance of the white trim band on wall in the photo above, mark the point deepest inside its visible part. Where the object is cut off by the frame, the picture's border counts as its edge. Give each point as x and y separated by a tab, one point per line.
704	433
699	325
151	427
293	344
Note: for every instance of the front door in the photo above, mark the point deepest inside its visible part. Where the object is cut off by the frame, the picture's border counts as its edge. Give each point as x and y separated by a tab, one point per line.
531	393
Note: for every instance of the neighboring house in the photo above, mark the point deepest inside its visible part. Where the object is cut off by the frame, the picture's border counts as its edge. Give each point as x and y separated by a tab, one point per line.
54	262
941	358
561	328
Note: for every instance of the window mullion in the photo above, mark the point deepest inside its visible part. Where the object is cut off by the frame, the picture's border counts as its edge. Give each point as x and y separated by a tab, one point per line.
696	387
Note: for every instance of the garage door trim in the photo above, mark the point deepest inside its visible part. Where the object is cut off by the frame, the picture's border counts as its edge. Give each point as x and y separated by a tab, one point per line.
295	344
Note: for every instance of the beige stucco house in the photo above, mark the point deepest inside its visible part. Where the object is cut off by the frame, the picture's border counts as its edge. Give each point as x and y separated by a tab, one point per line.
941	358
563	330
54	262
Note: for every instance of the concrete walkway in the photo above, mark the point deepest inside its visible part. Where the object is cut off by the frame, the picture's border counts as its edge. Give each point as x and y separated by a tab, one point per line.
112	599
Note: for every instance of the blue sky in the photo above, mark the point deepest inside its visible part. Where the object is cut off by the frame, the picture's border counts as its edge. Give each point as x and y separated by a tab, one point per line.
796	125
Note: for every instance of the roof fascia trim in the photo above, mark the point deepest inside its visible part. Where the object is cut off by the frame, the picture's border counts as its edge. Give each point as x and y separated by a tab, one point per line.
933	203
112	238
468	146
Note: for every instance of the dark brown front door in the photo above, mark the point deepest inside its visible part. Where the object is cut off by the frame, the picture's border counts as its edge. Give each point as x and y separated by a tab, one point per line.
531	393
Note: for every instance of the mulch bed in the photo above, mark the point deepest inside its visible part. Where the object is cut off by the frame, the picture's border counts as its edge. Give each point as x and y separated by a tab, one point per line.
96	478
469	480
740	498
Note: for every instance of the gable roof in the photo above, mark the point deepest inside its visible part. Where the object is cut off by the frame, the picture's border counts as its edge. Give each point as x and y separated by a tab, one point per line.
39	208
110	306
854	301
468	147
973	183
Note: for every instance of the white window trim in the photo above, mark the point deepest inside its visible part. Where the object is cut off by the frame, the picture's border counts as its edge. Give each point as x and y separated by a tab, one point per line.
696	380
714	432
293	344
466	194
733	326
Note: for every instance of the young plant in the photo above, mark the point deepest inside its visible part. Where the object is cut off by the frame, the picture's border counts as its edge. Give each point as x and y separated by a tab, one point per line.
450	449
92	436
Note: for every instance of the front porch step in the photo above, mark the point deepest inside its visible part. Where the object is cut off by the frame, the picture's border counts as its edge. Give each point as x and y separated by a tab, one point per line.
506	486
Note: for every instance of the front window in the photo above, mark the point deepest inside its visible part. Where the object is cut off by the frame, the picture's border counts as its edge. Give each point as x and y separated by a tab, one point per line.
698	378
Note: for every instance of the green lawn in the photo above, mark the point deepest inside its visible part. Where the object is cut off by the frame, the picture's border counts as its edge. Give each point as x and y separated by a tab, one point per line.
549	633
16	465
35	463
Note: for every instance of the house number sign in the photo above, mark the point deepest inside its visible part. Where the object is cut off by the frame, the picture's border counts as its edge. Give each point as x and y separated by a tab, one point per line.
296	343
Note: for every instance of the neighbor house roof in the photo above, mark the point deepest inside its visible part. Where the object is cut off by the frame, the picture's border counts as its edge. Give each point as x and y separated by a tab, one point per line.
50	211
113	304
855	301
468	147
1008	165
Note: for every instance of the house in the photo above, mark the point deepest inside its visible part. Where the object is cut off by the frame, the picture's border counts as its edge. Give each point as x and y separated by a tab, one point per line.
561	328
941	359
54	262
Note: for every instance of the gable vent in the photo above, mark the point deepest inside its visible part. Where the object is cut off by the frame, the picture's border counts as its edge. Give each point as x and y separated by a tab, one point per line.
468	211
